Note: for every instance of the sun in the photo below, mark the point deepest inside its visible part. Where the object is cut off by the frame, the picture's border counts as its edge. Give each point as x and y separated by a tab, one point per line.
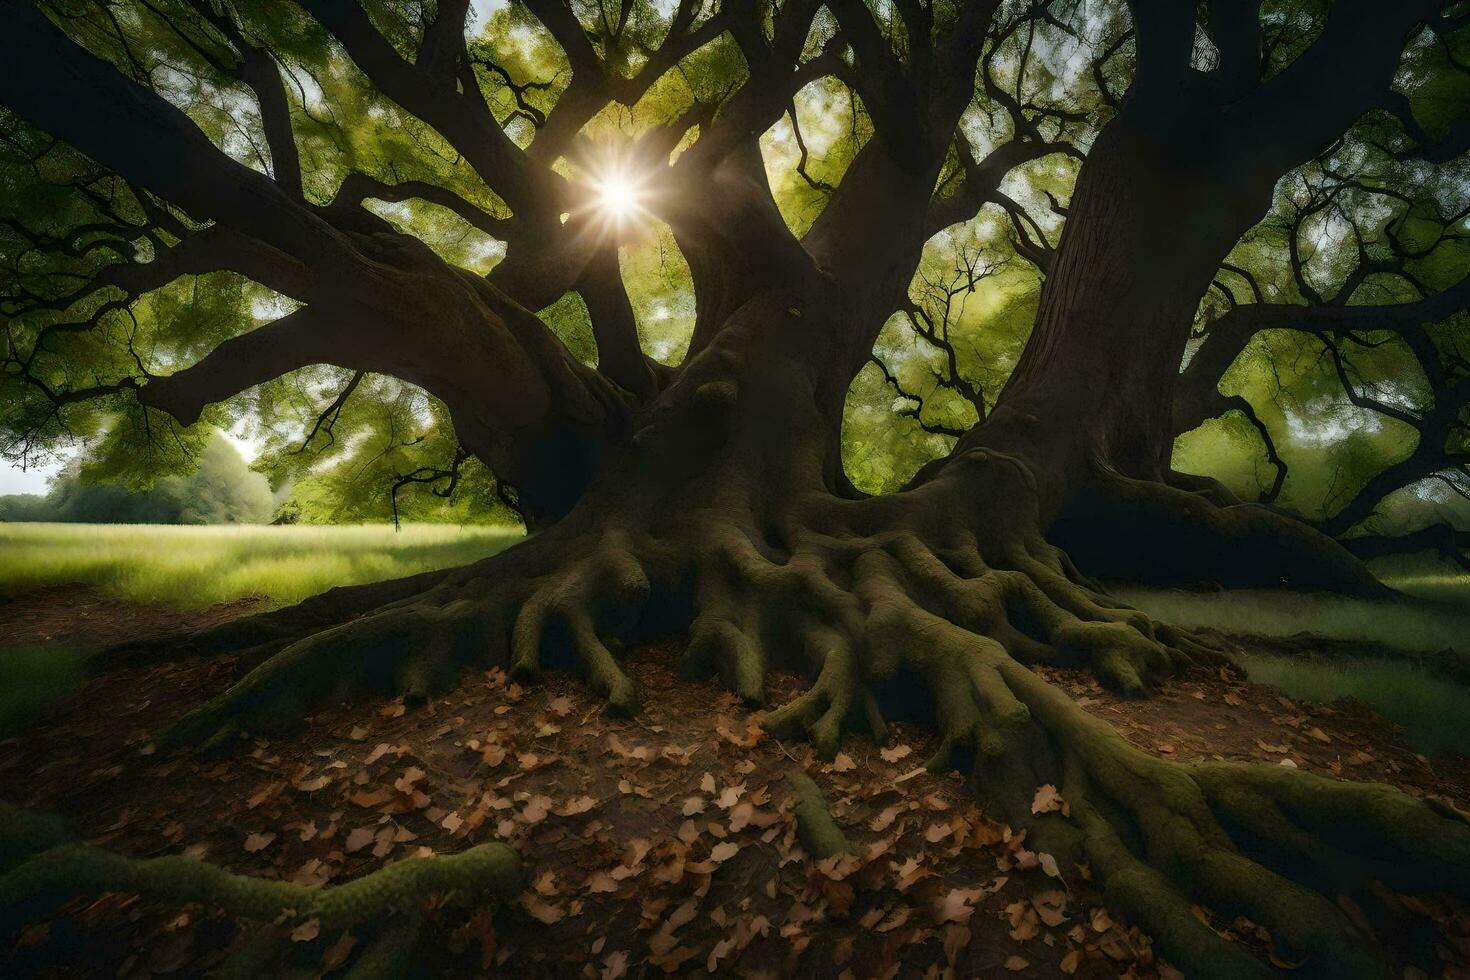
618	195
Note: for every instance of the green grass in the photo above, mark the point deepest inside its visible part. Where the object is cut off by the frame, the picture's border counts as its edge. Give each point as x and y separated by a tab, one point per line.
1415	623
1432	710
31	679
192	567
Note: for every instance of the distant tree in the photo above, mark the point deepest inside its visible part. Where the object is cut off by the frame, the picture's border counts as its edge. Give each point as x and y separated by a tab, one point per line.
25	507
222	490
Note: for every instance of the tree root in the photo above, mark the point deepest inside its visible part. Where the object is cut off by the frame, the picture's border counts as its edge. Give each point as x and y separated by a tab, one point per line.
819	833
51	873
1157	534
864	596
1270	843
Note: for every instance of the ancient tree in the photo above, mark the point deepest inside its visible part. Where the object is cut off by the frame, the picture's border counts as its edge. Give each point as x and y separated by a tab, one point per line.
166	139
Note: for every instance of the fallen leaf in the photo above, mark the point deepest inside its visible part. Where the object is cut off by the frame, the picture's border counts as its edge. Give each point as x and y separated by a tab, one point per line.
895	753
843	763
306	932
615	965
541	910
721	853
258	841
1048	800
1017	963
337	953
358	839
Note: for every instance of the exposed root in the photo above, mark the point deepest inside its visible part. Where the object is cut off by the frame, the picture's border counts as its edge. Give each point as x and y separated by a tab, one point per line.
52	873
819	833
1154	533
1273	844
868	597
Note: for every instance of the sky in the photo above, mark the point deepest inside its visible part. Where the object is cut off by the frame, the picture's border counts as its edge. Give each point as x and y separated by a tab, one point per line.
32	479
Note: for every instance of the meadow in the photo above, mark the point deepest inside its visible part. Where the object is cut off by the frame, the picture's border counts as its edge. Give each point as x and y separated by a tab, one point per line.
194	567
197	566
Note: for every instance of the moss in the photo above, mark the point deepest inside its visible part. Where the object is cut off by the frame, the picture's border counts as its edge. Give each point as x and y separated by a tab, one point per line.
72	869
819	833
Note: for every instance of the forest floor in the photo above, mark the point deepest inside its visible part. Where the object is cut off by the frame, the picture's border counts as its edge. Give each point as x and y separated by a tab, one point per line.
651	845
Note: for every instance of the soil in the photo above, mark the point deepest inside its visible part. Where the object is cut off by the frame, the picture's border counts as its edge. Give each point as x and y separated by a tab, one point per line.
658	844
78	616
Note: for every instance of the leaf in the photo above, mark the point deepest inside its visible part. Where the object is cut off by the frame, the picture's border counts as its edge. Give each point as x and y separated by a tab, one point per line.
337	953
885	819
937	832
693	805
615	965
730	795
956	906
707	783
306	932
541	910
601	883
723	852
1049	865
1017	963
895	753
265	794
843	763
560	706
576	805
370	799
258	841
358	839
1048	800
537	807
312	785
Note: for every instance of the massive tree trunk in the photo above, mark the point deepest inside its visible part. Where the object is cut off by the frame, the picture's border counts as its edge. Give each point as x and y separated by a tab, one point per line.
1158	207
722	516
711	502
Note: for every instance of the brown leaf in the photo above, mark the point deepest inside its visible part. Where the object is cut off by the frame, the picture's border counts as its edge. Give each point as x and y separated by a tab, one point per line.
541	910
258	841
1017	963
575	806
370	799
843	763
1048	800
896	752
337	953
358	839
264	795
306	931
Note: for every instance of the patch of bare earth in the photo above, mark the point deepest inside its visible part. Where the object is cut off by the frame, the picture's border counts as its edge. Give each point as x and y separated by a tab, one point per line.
79	616
653	845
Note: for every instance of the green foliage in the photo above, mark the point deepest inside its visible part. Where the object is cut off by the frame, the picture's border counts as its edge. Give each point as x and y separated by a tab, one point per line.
191	567
340	463
221	489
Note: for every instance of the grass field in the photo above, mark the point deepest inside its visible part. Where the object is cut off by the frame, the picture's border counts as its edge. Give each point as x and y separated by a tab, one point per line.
191	567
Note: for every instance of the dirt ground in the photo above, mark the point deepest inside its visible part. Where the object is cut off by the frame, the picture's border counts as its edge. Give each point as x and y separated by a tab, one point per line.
653	845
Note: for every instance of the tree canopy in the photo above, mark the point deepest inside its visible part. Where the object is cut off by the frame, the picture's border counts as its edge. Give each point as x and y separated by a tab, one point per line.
475	131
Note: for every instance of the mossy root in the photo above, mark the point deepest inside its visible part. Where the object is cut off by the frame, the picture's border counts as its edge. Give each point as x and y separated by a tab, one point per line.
819	833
